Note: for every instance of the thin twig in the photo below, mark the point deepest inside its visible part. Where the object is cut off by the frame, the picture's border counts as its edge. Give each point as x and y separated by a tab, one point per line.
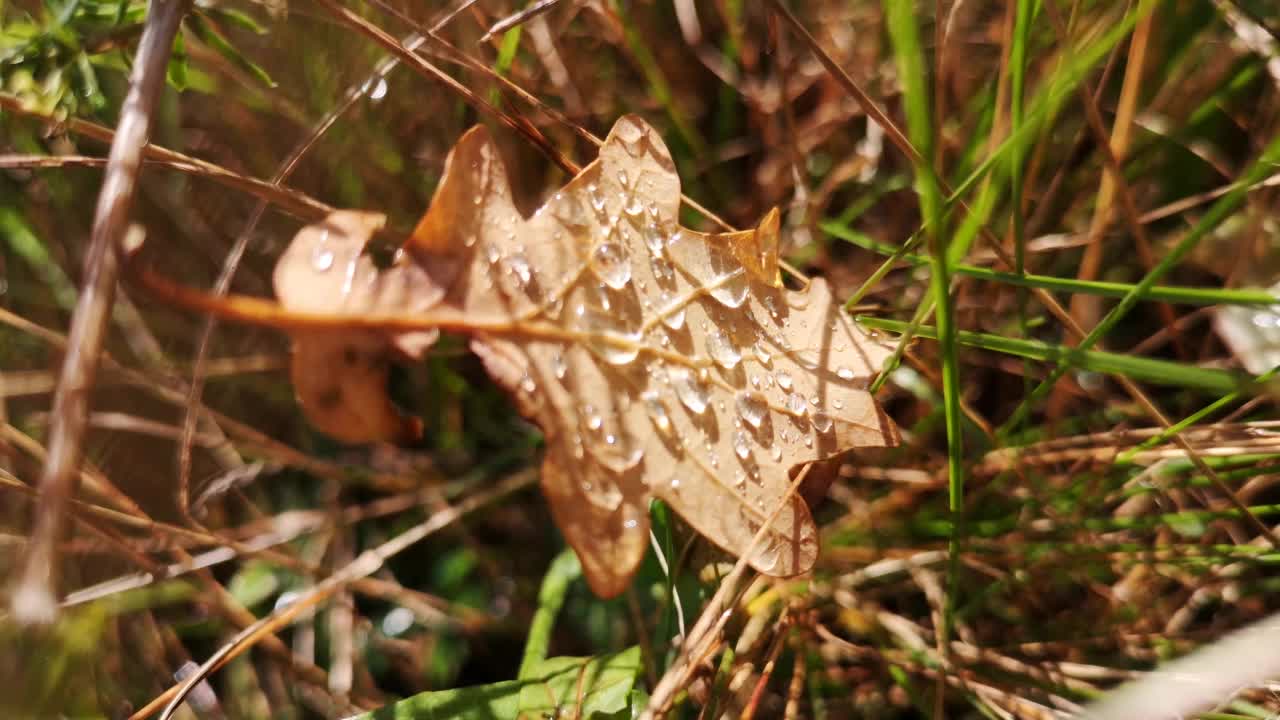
34	599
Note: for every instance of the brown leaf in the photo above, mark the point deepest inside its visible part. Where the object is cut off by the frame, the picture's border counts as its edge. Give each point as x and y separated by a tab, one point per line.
658	361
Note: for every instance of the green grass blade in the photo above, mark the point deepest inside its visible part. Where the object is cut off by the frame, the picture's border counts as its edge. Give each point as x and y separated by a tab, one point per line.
1157	293
1220	211
555	585
911	69
1159	372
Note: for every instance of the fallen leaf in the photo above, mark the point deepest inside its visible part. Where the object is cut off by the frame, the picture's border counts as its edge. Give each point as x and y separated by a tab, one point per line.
658	361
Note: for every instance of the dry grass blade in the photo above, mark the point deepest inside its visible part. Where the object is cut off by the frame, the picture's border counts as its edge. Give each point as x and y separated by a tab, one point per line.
288	200
364	565
34	598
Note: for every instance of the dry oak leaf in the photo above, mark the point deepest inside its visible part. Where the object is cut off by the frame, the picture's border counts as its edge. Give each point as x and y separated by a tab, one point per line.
658	361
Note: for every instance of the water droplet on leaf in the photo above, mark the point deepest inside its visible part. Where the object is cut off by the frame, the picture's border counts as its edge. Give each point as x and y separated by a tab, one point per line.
752	407
692	393
609	262
721	349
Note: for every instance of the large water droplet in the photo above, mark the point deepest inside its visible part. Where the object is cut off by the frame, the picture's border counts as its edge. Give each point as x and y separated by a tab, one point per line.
752	407
721	349
742	444
821	421
731	291
321	257
844	373
609	262
784	379
692	393
654	238
762	353
657	411
616	454
614	347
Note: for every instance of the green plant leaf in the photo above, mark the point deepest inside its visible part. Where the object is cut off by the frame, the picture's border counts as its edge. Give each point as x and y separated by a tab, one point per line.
209	34
585	688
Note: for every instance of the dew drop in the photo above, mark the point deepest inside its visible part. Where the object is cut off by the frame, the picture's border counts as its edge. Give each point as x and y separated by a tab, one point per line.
721	349
633	207
654	239
594	421
597	199
518	267
616	455
559	366
609	263
741	444
796	404
784	379
616	348
692	393
762	353
657	411
844	373
837	403
808	441
675	483
622	178
663	270
752	407
776	453
731	291
528	385
821	421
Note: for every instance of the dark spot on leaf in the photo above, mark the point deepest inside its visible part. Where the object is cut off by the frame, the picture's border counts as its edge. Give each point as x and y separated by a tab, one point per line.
329	399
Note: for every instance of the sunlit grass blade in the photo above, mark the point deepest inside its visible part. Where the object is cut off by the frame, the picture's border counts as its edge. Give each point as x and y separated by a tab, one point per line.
1143	369
912	72
1160	293
1220	211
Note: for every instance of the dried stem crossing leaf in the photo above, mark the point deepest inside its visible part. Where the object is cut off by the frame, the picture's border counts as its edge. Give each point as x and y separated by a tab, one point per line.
658	361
